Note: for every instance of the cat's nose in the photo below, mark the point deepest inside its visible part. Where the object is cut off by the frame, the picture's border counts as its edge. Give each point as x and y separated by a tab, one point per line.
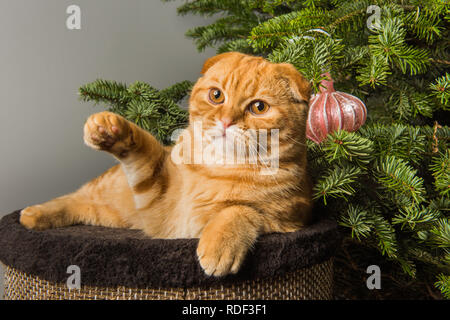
226	122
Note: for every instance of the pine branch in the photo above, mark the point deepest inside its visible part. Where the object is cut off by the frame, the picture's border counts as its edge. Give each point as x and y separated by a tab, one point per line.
343	145
347	12
338	182
287	26
242	8
389	43
441	90
374	73
405	142
109	92
240	45
441	204
385	234
357	219
440	233
412	216
440	169
443	284
398	177
177	91
407	103
310	56
425	24
223	29
353	56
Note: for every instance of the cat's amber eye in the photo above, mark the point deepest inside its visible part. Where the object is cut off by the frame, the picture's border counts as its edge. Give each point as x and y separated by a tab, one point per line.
216	96
258	107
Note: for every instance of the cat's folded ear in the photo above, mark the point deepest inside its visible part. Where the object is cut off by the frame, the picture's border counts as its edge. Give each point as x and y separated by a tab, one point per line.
300	87
213	60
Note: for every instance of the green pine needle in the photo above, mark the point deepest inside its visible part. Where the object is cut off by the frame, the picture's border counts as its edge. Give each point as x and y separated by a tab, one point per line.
396	176
443	284
350	146
356	218
385	233
440	169
337	183
177	91
441	90
412	216
440	233
390	43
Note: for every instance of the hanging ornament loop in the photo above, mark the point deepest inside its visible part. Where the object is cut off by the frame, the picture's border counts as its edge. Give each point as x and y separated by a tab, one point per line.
327	85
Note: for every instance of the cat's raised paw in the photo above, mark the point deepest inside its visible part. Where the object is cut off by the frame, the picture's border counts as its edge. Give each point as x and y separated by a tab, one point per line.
110	132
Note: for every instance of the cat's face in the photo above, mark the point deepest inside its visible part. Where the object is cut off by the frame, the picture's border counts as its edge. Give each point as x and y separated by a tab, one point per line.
239	92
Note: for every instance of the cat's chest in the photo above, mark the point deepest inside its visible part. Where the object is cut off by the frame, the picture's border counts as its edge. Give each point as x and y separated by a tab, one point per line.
203	191
195	206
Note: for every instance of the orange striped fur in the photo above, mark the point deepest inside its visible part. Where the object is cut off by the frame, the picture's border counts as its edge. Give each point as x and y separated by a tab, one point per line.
227	206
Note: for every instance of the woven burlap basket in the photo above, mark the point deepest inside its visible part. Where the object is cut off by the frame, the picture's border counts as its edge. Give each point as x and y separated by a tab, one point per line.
304	284
35	266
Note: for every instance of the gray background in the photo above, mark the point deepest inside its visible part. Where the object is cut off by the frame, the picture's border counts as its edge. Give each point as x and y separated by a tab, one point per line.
42	64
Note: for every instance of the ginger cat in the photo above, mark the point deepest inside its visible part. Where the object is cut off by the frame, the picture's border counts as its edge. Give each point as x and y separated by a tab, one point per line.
227	206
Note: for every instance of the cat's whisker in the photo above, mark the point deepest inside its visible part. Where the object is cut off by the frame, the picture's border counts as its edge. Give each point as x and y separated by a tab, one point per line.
296	141
264	165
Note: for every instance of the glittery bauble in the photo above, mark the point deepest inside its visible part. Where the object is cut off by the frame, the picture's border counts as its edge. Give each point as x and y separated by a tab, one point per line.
331	110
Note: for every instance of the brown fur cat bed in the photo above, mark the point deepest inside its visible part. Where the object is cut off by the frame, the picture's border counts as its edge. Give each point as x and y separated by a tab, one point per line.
112	258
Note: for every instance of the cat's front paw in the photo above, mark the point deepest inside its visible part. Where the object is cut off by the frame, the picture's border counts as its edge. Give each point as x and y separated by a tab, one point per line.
33	218
110	132
219	256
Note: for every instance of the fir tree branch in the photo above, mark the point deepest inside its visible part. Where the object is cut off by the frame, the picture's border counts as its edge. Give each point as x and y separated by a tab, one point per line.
413	216
443	284
389	42
343	145
385	234
337	183
398	177
356	218
109	92
440	169
177	91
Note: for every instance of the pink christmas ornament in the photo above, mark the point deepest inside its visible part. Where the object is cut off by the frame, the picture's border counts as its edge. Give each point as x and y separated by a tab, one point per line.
331	110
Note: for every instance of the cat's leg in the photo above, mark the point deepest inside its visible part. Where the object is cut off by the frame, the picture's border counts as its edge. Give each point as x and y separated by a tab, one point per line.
68	210
141	156
227	238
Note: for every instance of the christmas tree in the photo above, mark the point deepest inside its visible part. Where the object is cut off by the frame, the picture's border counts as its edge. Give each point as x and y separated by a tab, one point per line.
388	183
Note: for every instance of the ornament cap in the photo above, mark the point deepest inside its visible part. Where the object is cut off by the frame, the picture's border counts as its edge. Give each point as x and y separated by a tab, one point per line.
327	85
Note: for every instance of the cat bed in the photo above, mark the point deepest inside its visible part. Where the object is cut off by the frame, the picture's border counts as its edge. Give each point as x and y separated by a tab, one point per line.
126	264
